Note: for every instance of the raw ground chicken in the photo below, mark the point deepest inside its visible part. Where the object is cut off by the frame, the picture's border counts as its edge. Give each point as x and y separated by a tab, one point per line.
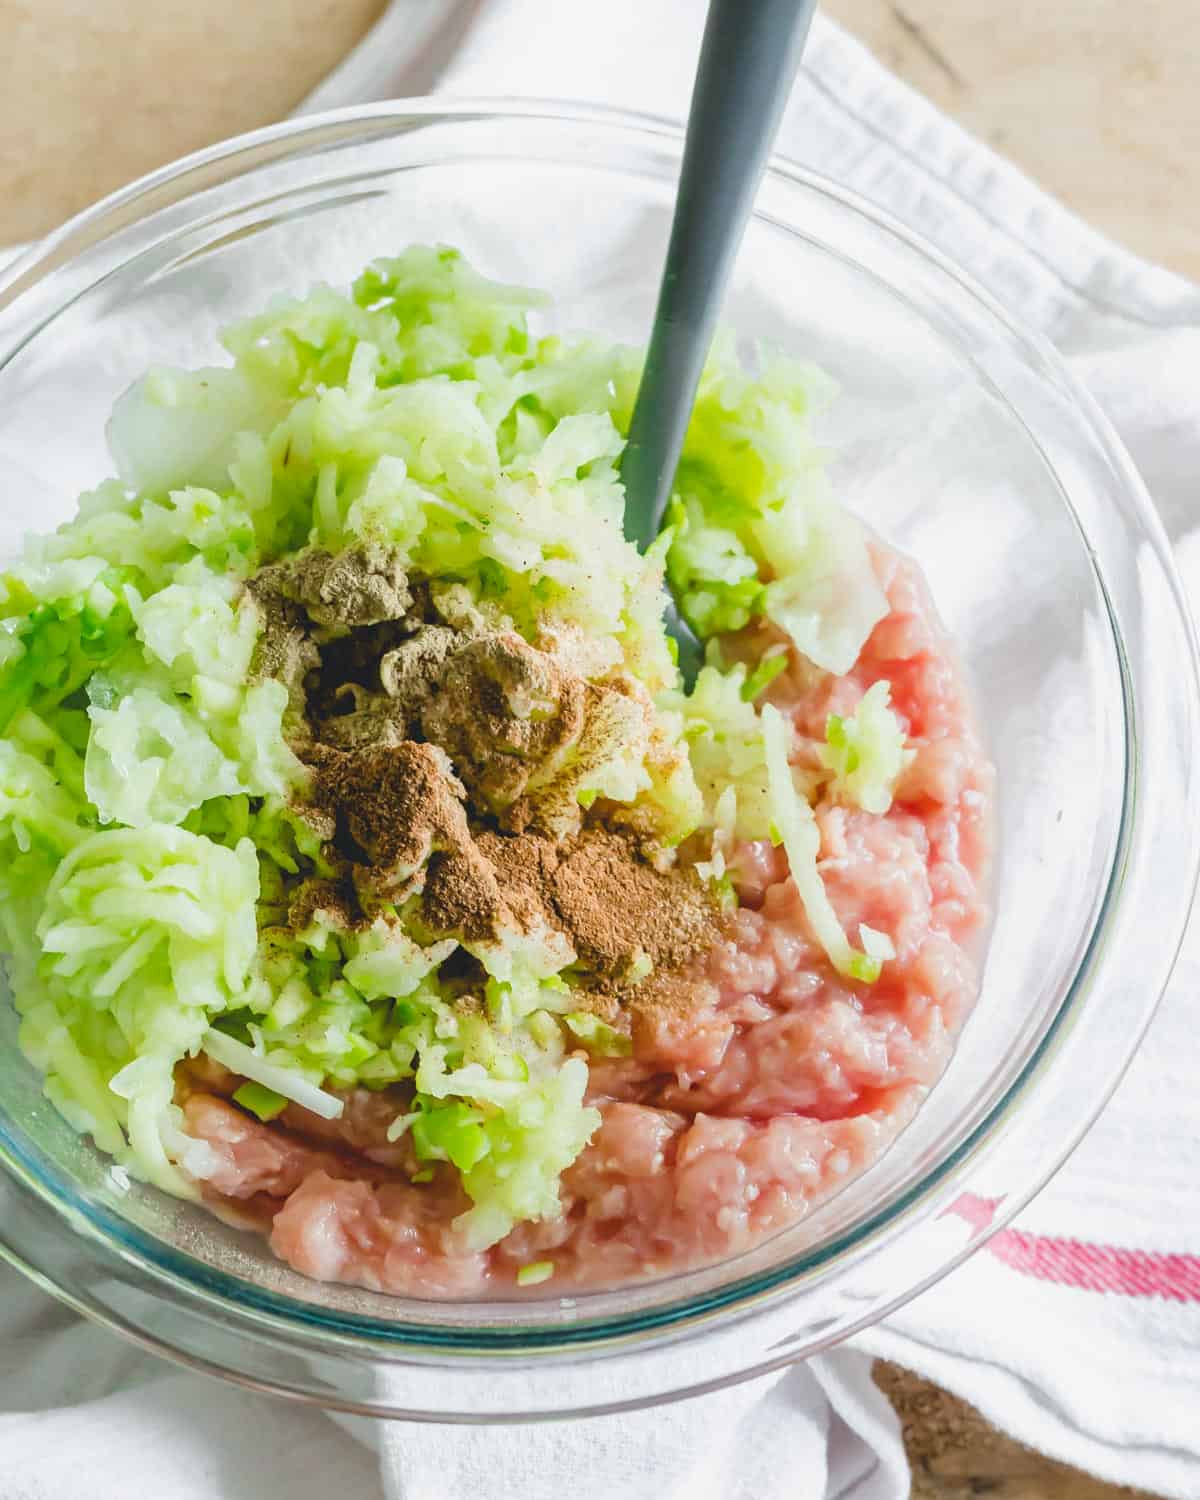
779	1085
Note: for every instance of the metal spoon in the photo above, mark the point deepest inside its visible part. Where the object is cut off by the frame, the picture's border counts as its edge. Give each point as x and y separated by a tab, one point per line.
748	61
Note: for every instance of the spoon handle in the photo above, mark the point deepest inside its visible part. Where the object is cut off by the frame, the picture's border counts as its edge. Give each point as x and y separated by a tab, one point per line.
748	60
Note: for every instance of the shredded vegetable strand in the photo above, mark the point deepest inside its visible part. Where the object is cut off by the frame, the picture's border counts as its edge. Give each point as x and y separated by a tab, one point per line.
802	842
239	1058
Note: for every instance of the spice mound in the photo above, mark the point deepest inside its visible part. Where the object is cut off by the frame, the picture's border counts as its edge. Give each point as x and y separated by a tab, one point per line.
450	767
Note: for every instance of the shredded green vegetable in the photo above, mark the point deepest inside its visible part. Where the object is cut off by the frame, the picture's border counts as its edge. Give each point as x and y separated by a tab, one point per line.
265	1104
866	752
535	1273
598	1036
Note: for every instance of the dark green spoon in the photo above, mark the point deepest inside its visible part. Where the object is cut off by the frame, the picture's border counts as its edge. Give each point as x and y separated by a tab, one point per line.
748	61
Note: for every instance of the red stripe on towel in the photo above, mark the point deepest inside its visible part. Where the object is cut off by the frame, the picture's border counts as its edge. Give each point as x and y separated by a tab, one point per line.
1081	1264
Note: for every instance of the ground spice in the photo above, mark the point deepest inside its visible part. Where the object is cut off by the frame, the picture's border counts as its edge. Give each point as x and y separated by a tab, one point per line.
335	901
404	811
616	906
446	765
504	711
364	585
285	650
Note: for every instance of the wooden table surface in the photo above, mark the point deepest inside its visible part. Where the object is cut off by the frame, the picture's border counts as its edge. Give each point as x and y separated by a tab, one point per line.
1098	99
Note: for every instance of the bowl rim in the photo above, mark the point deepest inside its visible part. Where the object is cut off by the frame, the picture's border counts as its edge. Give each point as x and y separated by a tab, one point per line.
742	1295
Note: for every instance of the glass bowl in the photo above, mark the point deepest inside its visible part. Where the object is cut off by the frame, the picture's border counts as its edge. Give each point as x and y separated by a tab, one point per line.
958	436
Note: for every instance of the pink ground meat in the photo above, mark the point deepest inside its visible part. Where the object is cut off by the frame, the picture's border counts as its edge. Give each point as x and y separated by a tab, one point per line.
781	1084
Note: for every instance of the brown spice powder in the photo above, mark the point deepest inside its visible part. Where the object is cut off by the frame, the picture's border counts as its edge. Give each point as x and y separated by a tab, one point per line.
333	900
404	809
516	721
616	906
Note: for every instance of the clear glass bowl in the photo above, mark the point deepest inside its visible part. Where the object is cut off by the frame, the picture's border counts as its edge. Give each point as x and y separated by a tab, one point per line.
958	436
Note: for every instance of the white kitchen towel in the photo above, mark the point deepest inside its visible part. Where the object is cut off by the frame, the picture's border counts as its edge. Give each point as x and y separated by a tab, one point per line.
84	1414
819	1432
1079	1330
